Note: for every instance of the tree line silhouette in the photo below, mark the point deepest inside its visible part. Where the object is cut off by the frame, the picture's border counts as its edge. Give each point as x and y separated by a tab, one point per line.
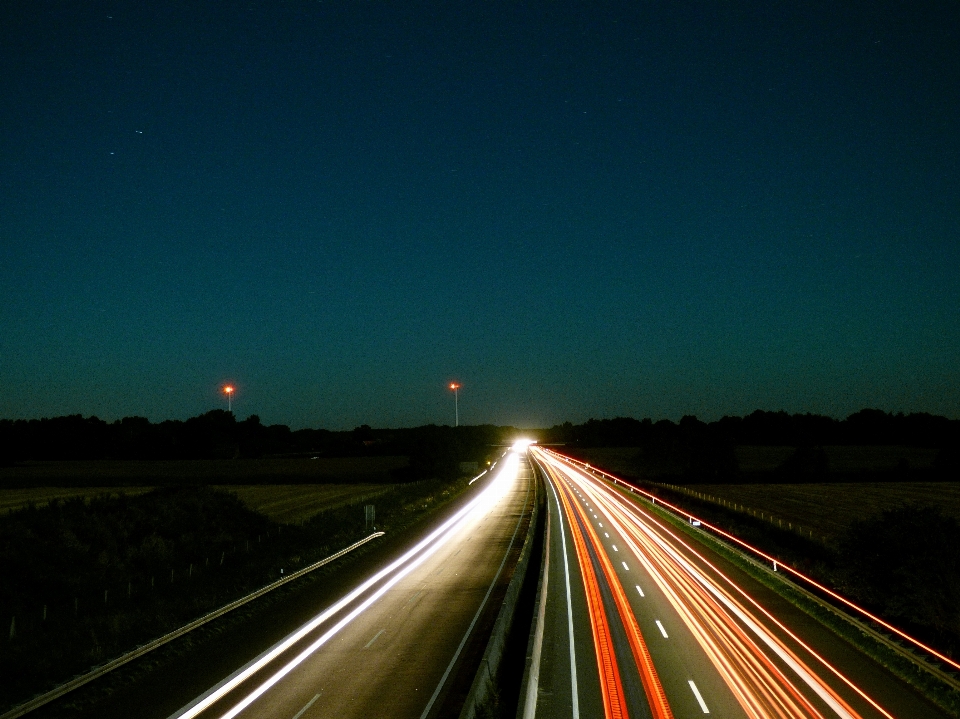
695	451
690	447
866	427
434	451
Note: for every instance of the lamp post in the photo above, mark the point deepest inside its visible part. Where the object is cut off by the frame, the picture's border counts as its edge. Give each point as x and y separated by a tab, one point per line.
228	390
456	402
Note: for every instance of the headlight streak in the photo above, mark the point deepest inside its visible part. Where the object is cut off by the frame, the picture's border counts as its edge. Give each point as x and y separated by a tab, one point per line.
616	506
787	568
487	497
306	653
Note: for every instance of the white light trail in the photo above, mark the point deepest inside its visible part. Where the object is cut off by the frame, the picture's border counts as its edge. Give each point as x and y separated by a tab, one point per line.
487	497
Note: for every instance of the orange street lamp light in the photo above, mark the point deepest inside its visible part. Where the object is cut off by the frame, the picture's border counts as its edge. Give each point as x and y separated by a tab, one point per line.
456	402
228	390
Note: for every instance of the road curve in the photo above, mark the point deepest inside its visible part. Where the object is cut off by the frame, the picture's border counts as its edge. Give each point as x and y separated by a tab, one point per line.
393	645
638	621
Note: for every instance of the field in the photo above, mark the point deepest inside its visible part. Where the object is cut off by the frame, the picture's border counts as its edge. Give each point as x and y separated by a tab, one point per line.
11	499
123	473
752	458
618	460
828	509
293	503
285	503
823	510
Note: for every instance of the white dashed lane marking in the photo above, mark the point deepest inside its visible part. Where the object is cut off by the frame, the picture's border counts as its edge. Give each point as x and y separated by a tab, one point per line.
309	704
375	638
696	693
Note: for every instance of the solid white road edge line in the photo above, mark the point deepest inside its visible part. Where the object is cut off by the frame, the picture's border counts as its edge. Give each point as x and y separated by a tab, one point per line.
533	681
575	698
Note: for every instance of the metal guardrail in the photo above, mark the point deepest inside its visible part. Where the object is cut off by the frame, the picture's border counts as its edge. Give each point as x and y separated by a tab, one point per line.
920	661
97	672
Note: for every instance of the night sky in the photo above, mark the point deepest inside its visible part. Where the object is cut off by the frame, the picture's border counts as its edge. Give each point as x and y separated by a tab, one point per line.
574	209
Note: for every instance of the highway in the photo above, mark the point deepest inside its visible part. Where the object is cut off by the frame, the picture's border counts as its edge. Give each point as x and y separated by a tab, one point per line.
399	644
636	620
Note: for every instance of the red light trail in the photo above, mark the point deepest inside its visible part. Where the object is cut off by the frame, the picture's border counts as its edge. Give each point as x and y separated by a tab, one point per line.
769	671
760	553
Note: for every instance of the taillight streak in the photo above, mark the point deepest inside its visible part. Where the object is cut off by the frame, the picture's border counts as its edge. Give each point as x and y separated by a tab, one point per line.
759	685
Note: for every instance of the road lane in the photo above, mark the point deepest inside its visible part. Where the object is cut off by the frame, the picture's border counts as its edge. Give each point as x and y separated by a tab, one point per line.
714	649
383	649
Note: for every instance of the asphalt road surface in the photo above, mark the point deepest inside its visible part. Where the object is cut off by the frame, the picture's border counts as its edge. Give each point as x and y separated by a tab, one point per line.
392	646
638	621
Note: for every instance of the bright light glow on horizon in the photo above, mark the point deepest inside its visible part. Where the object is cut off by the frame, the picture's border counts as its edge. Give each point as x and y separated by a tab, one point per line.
521	445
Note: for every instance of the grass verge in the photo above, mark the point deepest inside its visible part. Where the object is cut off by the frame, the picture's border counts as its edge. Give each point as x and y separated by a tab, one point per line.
400	512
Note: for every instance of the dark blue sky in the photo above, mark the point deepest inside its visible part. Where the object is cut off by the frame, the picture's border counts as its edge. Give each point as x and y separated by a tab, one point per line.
574	209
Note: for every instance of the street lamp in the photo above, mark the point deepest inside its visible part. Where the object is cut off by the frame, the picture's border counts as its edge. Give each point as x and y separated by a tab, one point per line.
228	390
456	402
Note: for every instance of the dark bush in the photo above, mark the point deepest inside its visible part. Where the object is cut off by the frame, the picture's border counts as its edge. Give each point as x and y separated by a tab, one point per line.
906	562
